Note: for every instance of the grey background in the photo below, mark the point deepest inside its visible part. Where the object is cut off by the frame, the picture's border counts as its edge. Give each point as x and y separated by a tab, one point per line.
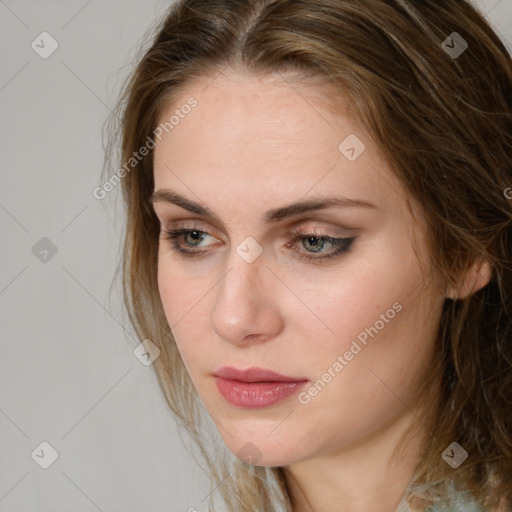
68	375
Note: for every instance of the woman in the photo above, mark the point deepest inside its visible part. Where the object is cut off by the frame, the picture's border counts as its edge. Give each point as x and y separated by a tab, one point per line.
318	248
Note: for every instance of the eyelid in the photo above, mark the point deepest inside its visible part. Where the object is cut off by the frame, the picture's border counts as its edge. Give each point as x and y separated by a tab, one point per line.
325	227
193	225
306	225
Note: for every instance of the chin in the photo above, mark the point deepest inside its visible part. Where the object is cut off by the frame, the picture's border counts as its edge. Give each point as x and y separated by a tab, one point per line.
261	450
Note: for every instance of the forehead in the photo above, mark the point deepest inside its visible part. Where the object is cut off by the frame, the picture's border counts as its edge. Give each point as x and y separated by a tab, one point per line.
267	139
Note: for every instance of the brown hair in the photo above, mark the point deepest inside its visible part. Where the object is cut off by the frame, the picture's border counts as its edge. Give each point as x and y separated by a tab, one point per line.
444	121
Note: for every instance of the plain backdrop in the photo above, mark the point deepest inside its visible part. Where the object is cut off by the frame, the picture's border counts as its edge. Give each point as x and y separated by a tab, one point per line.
68	375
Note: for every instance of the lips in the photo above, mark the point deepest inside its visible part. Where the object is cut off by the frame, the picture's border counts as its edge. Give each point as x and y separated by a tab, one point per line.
255	374
255	388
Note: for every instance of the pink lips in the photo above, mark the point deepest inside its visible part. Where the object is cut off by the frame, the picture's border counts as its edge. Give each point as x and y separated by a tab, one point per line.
255	388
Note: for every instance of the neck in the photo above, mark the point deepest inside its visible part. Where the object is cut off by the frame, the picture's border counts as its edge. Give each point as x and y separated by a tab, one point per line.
370	476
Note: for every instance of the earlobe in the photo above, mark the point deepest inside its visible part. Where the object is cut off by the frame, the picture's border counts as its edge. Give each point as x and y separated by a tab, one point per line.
475	278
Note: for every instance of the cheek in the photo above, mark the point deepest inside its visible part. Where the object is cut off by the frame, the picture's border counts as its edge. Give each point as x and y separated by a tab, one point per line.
373	381
343	307
184	301
176	288
385	349
373	317
165	289
175	296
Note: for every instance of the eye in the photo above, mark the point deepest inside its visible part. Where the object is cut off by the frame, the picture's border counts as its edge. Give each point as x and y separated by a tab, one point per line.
312	243
317	241
192	237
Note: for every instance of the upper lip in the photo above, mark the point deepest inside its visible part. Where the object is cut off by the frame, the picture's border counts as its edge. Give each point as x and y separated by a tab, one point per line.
254	374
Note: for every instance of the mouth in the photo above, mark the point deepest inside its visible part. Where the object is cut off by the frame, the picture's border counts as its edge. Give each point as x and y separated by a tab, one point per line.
255	374
255	388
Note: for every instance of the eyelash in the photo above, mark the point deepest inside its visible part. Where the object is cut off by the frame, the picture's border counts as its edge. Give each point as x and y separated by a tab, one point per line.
343	244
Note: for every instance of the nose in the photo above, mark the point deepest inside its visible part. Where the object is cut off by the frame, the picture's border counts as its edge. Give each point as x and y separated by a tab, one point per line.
246	309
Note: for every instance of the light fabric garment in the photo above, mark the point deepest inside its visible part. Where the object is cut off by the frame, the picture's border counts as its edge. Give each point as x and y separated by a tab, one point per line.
458	505
461	502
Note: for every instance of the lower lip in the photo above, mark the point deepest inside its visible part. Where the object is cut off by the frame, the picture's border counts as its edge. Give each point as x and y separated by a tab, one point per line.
255	395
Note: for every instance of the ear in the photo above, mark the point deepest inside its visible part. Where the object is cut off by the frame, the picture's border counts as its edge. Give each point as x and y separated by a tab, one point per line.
473	279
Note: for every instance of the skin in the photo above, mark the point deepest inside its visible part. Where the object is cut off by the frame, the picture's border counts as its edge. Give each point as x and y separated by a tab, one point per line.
257	143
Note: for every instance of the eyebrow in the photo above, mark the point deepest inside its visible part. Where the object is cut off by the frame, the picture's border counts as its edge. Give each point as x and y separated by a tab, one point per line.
271	216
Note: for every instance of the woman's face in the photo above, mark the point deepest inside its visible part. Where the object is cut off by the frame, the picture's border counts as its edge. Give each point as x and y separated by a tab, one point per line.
353	319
